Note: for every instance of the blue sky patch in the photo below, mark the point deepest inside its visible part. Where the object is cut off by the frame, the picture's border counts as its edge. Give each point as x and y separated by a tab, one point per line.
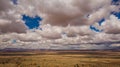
101	21
95	29
31	22
13	41
117	14
15	2
115	0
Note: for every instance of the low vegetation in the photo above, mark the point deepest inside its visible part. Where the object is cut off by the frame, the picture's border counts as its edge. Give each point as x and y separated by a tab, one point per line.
59	60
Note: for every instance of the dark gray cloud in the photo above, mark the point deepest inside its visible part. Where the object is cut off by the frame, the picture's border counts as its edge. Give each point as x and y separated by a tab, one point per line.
10	20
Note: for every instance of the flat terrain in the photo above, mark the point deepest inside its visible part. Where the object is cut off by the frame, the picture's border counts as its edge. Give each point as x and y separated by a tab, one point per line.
60	59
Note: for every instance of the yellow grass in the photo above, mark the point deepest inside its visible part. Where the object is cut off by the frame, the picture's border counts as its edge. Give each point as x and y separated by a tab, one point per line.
60	60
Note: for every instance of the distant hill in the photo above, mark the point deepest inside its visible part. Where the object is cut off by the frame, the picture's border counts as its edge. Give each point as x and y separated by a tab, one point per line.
13	50
27	50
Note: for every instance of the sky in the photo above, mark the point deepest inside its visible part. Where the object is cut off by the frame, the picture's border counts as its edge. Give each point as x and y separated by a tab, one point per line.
51	24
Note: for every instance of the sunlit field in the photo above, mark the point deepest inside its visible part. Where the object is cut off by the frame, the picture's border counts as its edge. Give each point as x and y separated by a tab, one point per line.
60	59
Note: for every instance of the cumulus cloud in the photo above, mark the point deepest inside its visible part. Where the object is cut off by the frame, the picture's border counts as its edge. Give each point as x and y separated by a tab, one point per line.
36	40
65	24
9	19
112	25
5	5
56	32
71	12
11	26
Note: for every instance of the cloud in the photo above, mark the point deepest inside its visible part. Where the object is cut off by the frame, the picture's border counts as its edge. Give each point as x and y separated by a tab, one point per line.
65	24
9	19
63	13
112	25
9	26
5	5
36	40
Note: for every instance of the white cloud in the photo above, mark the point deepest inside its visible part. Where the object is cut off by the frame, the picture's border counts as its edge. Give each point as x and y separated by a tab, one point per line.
63	13
112	25
64	22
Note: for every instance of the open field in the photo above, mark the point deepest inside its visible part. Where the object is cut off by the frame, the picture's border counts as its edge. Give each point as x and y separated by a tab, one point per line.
60	59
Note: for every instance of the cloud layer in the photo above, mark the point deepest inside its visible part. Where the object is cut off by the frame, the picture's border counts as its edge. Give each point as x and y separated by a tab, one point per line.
71	12
65	24
9	19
